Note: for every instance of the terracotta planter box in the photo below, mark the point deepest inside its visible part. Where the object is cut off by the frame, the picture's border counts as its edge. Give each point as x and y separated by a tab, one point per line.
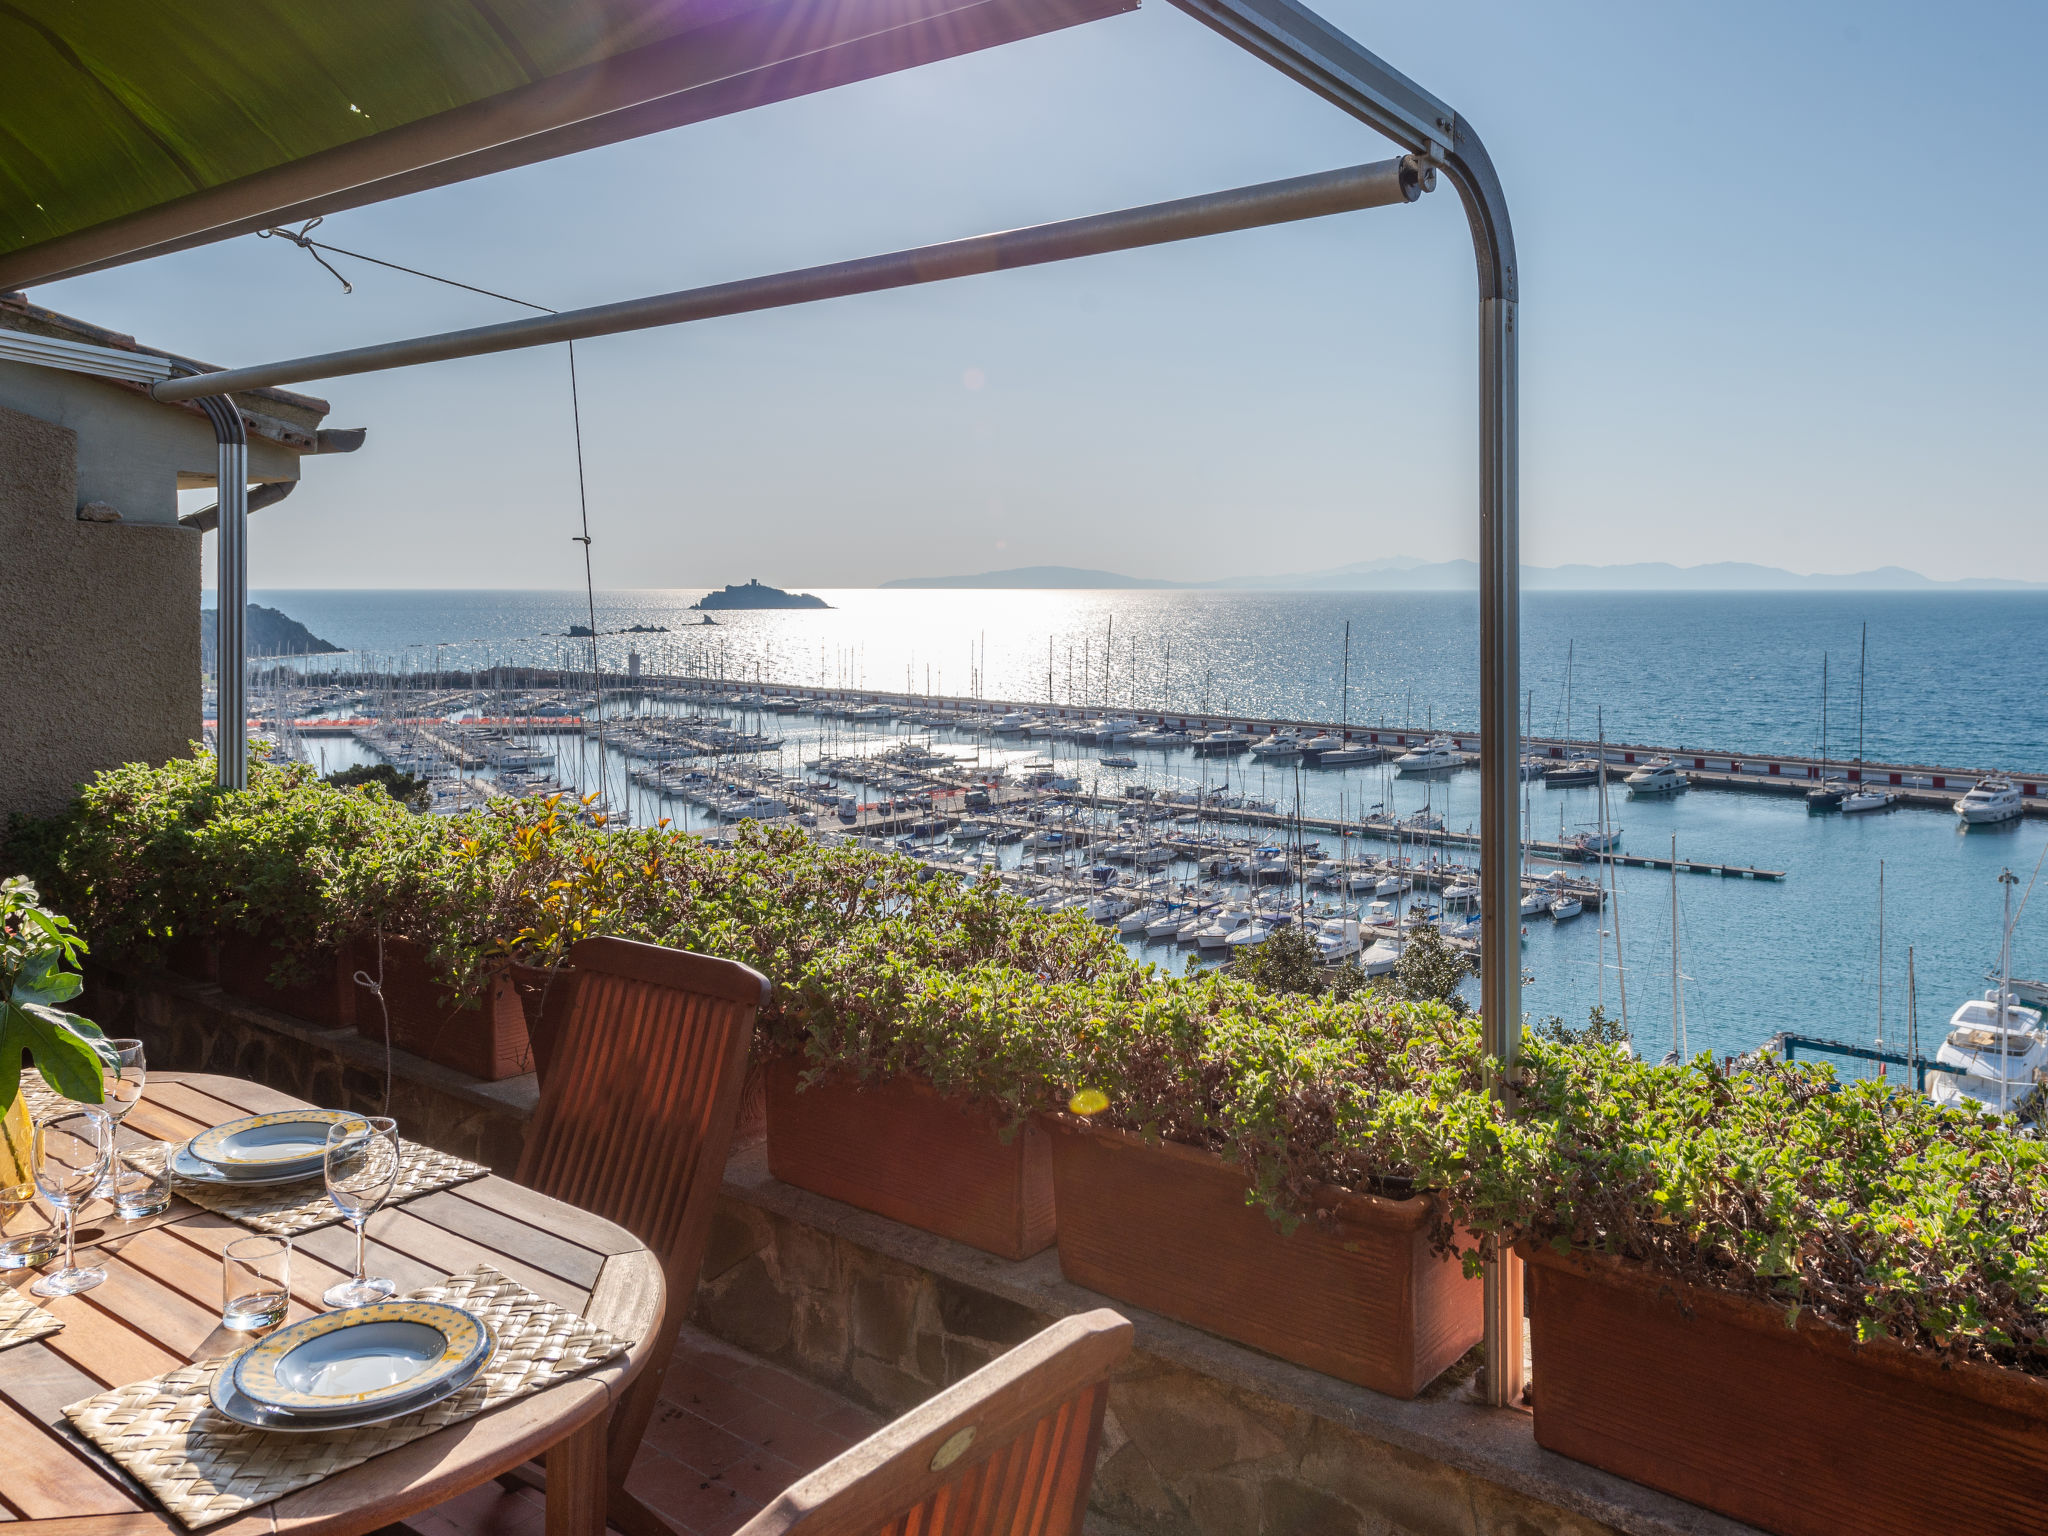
1167	1227
544	1002
327	996
1797	1430
902	1150
488	1041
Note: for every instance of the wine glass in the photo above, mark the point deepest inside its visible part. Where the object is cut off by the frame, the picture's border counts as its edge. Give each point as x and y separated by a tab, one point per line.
125	1072
73	1149
361	1169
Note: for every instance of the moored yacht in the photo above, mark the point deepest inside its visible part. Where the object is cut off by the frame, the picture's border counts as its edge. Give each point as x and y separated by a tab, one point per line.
1659	776
1316	746
1281	744
1994	1055
1433	756
1381	957
1337	939
1991	800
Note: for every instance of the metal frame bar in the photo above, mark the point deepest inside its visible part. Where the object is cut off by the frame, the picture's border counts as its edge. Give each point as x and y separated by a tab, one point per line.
1382	184
1306	48
230	640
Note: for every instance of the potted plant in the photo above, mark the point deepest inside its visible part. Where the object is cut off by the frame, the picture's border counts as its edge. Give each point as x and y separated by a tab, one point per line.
39	954
907	1055
1812	1306
1237	1160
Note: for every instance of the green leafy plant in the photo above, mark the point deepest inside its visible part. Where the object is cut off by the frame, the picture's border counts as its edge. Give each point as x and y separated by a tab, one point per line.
39	953
408	789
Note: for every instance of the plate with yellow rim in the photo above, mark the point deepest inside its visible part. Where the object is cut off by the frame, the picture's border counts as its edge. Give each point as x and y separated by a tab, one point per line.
229	1401
288	1141
361	1358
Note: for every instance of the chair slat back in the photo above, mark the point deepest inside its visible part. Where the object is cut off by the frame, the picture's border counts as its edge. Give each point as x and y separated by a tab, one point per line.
638	1112
1009	1451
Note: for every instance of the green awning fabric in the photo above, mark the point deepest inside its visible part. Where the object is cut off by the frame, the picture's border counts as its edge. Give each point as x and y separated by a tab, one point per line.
129	127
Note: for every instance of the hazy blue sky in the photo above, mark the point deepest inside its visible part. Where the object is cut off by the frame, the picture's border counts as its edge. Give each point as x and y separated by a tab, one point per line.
1782	301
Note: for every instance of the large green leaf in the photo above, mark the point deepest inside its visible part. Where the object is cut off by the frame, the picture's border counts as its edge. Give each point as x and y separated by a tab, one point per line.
61	1044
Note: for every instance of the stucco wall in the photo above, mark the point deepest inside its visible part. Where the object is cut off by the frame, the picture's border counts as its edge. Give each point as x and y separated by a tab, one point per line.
99	628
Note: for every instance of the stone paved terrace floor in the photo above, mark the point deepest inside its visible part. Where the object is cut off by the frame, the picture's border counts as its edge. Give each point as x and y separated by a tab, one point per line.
731	1433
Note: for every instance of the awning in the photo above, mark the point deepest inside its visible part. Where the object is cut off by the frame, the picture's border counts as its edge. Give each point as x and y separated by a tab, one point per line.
129	128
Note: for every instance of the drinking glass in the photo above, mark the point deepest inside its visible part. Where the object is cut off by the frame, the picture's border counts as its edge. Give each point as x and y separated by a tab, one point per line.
25	1250
141	1179
361	1168
124	1071
256	1283
73	1148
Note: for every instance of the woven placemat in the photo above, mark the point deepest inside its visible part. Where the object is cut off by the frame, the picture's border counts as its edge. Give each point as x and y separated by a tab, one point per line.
286	1210
204	1468
22	1321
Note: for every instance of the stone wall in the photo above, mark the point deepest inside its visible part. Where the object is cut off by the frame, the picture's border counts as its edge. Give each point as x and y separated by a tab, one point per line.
192	1026
99	628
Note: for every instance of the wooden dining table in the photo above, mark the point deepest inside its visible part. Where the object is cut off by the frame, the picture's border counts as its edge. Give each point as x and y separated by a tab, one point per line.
159	1308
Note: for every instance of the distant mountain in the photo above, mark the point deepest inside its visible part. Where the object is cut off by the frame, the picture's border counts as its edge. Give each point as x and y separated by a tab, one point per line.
1038	577
1403	573
270	633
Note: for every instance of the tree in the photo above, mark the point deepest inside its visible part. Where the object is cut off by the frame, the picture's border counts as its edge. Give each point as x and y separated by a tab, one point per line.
406	788
1601	1028
1430	970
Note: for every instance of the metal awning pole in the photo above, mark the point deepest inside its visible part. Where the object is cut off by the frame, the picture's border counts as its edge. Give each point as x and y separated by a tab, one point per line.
1383	184
231	650
1315	54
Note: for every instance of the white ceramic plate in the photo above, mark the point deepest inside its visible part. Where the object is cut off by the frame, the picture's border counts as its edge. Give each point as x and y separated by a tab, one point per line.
186	1166
360	1357
228	1400
292	1140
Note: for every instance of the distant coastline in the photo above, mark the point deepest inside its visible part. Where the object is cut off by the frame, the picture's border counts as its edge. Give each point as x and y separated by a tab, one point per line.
1403	574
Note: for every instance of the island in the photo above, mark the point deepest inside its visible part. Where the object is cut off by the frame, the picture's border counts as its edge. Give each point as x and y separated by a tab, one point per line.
754	595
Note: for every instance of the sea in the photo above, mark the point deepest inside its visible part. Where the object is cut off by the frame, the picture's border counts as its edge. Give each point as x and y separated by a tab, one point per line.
1951	680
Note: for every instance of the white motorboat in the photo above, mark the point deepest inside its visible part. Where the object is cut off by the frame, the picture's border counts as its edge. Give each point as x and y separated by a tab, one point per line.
1381	914
1118	760
1137	920
1391	885
1595	841
1349	757
1468	929
1868	797
1535	904
1220	743
1166	923
1316	746
1219	928
1993	1056
1381	957
1566	906
1359	881
1271	864
1460	892
1337	939
1433	756
1991	800
1659	776
1282	744
1012	724
1250	936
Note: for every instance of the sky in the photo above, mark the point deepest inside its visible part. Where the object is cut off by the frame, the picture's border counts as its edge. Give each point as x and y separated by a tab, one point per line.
1780	303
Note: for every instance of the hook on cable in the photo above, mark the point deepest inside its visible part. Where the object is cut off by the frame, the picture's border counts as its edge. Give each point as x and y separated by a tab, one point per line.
299	238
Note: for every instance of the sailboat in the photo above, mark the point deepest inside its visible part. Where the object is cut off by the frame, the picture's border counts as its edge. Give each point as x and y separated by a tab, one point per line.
1677	1054
1827	795
1866	796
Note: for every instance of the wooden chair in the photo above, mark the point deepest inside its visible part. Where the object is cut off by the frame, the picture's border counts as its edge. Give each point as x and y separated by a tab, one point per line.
1010	1451
634	1124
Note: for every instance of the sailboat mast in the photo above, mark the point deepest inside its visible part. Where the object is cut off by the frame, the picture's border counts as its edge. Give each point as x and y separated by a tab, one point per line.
1347	677
1880	954
1823	717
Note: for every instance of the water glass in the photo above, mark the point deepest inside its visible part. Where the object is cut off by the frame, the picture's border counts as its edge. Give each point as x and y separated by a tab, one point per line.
141	1178
361	1170
24	1250
124	1071
256	1283
72	1150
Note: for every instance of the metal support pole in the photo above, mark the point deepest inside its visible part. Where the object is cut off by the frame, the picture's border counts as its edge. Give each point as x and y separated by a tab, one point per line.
1385	183
1303	46
231	650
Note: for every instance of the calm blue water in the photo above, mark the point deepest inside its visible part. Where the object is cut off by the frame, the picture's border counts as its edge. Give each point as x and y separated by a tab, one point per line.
1952	680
